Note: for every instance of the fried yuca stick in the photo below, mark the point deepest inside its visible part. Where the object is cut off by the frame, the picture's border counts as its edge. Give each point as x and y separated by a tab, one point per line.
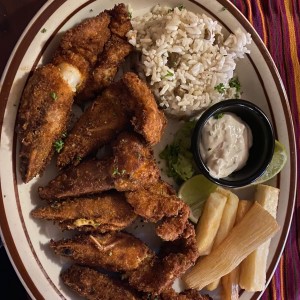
256	227
209	222
227	223
253	268
230	282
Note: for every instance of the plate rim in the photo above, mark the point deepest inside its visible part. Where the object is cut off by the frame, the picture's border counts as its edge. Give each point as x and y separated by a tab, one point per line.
41	16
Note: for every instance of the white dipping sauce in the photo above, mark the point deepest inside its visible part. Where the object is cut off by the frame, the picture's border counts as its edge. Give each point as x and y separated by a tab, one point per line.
225	144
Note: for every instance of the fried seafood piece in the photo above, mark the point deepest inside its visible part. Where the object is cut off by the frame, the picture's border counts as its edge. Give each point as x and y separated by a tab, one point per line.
148	120
89	177
174	226
48	96
159	202
155	202
189	294
131	167
157	274
94	285
120	22
97	126
73	67
106	212
116	251
42	118
133	164
87	38
115	51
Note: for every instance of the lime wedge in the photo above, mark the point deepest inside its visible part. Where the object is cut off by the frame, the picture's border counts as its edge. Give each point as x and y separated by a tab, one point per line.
276	165
194	192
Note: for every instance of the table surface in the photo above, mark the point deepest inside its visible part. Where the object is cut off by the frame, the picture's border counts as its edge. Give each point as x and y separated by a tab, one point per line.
16	14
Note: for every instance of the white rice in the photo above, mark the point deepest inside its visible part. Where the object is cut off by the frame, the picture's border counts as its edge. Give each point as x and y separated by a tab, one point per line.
206	58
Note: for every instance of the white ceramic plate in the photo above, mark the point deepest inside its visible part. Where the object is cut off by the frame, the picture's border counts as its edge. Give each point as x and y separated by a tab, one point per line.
26	239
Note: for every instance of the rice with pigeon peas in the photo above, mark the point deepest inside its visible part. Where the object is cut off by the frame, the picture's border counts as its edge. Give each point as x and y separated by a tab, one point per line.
188	61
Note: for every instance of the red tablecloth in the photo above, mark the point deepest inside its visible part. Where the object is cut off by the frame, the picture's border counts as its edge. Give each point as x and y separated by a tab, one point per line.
278	23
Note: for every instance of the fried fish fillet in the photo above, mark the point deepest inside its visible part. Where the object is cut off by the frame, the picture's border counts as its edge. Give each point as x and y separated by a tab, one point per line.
120	20
88	37
189	294
155	202
42	117
89	177
157	274
174	226
116	251
131	167
94	285
106	212
48	96
115	51
159	202
133	164
148	120
97	126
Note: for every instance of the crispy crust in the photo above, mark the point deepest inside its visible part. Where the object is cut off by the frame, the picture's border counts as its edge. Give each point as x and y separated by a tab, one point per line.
96	286
42	118
116	251
115	51
155	202
148	120
106	212
97	126
157	274
89	177
88	37
120	20
131	167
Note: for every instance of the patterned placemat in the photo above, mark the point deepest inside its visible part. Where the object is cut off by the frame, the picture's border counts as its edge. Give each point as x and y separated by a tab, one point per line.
278	24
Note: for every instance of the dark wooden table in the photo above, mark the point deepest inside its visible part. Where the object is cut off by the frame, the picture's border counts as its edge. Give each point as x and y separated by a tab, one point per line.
14	16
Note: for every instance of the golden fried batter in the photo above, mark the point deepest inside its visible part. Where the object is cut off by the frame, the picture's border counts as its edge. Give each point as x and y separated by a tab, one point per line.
159	202
115	51
96	286
155	202
189	294
76	60
157	274
89	177
133	165
120	20
148	120
97	126
116	251
173	226
42	117
88	38
106	212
